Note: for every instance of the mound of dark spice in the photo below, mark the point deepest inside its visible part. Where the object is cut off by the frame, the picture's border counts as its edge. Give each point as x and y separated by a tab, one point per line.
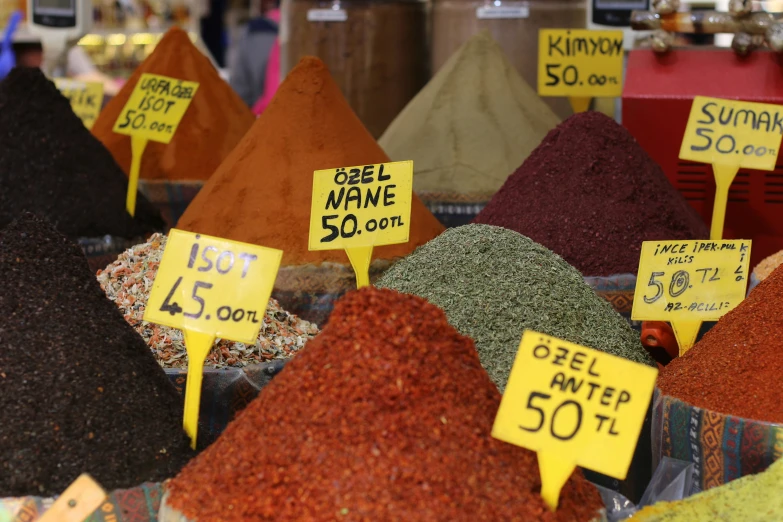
591	194
50	164
387	416
79	389
737	367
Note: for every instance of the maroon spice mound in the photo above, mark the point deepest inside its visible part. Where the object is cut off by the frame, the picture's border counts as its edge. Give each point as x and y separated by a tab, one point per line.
386	415
737	368
591	194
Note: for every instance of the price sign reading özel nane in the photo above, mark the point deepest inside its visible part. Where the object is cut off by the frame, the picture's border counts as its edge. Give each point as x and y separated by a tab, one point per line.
86	98
688	282
357	208
729	135
580	64
574	406
210	287
153	112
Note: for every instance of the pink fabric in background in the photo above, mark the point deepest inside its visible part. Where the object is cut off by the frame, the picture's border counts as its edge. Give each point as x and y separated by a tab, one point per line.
272	70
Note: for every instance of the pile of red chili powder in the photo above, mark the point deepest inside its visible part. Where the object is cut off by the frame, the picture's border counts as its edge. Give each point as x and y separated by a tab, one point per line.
386	415
591	194
737	367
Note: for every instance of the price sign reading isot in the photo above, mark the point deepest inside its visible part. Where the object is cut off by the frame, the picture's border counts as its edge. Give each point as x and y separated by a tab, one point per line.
580	64
153	112
357	208
210	287
574	406
86	98
688	282
729	135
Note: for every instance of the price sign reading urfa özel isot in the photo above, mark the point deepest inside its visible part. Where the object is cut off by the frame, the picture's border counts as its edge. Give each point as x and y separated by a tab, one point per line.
86	98
153	112
357	208
210	287
687	282
729	135
580	64
574	406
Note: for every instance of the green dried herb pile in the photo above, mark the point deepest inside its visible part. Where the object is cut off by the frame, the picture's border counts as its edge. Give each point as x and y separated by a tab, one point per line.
494	283
387	417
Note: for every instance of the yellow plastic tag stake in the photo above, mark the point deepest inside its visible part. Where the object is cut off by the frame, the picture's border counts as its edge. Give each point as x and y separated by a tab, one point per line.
210	287
153	112
690	281
580	64
729	135
86	98
77	502
574	406
358	208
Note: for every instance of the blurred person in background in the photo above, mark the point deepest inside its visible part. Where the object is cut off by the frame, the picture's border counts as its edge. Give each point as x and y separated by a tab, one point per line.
248	67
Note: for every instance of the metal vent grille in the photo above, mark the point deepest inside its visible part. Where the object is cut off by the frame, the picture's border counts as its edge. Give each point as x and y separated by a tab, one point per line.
692	180
773	186
739	192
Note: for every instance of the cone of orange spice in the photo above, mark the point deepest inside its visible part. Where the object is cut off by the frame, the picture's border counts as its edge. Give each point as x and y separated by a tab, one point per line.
387	416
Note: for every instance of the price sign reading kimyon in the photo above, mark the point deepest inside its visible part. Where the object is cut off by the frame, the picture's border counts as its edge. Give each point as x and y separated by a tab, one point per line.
86	98
210	287
580	64
357	208
574	406
729	135
153	112
687	282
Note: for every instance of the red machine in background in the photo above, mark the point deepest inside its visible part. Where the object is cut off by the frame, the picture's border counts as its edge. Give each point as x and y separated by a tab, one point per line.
657	100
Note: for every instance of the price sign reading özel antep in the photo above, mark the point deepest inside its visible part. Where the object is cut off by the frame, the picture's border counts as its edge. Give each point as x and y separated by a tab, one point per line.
580	64
574	406
357	208
729	135
153	112
688	282
210	287
86	98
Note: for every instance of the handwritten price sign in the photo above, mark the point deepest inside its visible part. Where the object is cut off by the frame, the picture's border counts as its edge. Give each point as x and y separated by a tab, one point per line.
688	282
575	406
357	208
86	98
210	287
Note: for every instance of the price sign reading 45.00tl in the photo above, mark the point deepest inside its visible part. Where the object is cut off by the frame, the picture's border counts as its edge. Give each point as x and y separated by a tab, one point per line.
687	282
580	64
210	287
574	406
153	112
357	208
730	135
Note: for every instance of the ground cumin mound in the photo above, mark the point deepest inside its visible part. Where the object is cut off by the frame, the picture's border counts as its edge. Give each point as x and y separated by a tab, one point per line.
387	416
215	121
261	193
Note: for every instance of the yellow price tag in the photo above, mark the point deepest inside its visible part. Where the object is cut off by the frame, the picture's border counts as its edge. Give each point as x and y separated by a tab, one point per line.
730	135
77	502
357	208
86	98
580	64
210	287
153	112
687	282
574	406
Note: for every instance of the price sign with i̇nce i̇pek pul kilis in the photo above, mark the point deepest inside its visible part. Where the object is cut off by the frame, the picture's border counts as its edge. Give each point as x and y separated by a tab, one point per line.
687	282
86	98
574	406
729	135
153	112
210	287
581	64
357	208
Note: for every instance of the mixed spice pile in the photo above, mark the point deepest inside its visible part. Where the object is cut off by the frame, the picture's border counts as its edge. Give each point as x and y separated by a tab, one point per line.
128	282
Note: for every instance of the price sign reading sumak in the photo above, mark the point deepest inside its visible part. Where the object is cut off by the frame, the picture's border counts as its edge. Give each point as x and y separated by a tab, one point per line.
210	287
86	98
580	64
574	406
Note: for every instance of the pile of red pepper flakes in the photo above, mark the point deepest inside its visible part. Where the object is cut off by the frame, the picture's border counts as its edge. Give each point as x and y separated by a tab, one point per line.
386	415
737	367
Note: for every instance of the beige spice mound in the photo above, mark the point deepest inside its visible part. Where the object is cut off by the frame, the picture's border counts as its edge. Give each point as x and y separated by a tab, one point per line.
128	282
768	265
